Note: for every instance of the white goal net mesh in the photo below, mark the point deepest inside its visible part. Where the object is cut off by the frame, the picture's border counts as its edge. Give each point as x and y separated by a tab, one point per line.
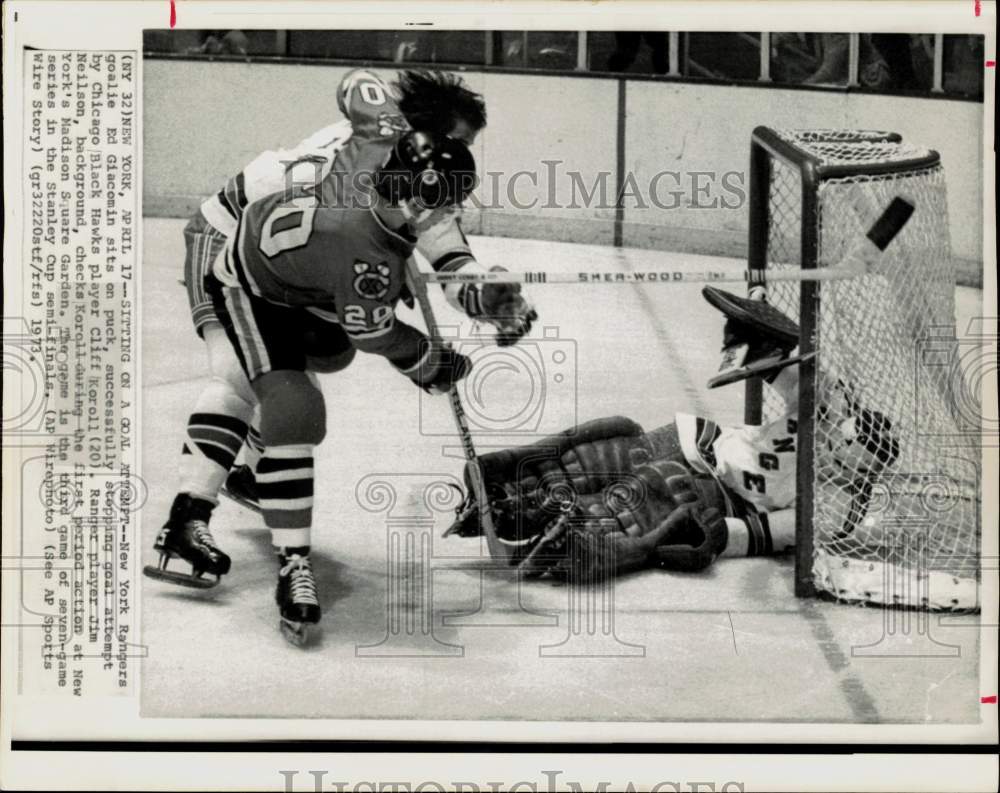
894	486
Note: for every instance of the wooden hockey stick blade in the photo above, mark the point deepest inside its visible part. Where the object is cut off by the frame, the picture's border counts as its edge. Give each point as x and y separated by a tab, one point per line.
890	222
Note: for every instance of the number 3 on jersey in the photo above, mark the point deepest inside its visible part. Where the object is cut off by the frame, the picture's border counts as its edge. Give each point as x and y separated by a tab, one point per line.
288	226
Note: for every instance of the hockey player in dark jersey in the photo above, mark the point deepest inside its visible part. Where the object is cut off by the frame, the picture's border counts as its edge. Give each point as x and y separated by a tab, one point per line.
331	333
373	111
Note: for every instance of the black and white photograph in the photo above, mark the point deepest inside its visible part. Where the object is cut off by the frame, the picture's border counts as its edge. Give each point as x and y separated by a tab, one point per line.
428	378
680	433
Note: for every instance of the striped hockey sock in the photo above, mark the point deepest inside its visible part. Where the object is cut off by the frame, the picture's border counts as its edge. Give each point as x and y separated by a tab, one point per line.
253	449
285	487
213	441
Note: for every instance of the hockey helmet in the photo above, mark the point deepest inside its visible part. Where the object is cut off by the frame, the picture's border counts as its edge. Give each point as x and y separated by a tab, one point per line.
430	171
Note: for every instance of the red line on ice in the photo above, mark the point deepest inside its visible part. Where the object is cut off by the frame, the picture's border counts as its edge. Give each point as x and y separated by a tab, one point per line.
990	64
979	7
989	700
173	13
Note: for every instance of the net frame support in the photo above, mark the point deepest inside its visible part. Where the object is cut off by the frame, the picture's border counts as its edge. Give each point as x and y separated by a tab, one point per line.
767	145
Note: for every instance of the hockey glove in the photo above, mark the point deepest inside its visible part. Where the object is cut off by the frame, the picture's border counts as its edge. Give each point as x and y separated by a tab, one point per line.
689	539
503	306
439	367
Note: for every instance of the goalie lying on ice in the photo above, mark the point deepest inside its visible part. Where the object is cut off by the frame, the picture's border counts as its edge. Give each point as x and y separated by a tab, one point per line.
605	497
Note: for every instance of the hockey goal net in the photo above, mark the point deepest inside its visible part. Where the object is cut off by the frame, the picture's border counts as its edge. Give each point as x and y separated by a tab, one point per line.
888	484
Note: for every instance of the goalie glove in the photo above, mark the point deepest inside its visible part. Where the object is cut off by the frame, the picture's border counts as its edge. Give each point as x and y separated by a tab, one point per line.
758	340
502	305
690	538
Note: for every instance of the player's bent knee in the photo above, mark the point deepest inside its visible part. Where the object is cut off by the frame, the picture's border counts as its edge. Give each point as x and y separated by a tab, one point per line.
330	363
222	396
292	409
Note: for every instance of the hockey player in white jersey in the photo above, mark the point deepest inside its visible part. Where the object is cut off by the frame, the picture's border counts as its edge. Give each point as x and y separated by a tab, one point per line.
605	497
222	420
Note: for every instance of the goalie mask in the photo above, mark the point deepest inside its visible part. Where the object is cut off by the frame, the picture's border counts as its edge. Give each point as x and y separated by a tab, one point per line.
424	173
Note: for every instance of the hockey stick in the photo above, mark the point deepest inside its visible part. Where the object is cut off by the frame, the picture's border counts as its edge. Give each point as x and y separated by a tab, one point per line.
498	550
654	276
857	262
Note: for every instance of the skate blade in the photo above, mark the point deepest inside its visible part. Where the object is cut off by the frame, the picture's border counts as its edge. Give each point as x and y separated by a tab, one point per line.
253	506
299	634
180	579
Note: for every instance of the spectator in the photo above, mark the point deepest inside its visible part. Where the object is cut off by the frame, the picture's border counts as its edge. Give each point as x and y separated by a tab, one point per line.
895	51
822	58
963	65
627	49
218	42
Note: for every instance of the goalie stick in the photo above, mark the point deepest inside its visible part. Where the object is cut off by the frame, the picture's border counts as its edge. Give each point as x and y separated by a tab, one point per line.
498	550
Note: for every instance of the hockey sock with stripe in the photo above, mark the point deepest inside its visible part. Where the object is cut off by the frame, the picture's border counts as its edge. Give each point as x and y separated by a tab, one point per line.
285	487
216	431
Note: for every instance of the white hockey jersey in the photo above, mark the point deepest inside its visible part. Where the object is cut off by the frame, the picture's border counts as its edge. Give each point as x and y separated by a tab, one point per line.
757	462
272	171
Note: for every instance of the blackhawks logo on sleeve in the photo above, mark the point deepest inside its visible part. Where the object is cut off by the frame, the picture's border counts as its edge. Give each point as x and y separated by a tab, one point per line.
371	281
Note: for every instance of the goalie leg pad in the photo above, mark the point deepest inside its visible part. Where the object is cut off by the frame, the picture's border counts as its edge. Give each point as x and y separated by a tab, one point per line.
527	484
504	465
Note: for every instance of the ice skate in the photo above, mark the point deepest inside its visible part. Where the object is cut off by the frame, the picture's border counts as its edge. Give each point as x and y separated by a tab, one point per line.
186	536
296	596
241	486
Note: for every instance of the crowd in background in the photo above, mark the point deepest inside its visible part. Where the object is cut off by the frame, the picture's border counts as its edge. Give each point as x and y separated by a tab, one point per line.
891	62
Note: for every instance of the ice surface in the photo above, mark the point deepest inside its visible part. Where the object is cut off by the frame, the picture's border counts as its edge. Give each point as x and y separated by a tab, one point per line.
729	644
